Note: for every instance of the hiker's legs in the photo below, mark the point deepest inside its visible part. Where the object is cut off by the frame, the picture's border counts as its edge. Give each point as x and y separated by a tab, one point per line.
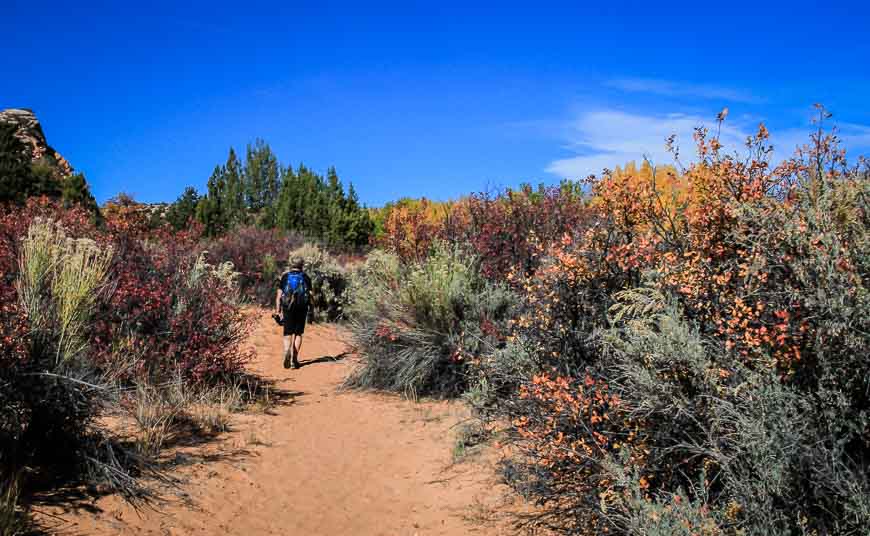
297	345
288	350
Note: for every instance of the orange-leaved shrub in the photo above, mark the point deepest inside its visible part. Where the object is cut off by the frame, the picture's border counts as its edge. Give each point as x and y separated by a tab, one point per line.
695	354
502	229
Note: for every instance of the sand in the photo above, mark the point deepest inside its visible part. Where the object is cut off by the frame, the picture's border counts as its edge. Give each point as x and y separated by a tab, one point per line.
322	462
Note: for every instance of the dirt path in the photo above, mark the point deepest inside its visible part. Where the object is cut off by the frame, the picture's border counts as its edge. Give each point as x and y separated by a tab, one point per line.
329	463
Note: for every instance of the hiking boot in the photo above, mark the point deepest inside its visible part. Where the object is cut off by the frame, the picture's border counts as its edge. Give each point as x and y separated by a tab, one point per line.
288	356
295	360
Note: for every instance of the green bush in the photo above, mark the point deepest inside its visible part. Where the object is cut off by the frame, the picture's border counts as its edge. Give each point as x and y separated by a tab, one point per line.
421	328
329	281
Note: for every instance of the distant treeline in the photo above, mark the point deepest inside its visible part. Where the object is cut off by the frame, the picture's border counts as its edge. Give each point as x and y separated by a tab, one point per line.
260	191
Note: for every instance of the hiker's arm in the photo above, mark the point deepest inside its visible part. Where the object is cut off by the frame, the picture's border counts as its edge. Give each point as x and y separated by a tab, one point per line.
278	301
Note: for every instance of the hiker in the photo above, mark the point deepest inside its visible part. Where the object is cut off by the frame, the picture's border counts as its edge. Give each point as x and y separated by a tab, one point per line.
291	303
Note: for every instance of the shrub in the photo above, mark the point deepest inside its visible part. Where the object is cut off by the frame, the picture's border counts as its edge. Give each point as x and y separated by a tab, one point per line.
255	254
665	432
154	415
695	358
207	327
172	310
505	229
421	328
20	352
409	227
53	395
59	281
89	310
162	412
13	521
329	281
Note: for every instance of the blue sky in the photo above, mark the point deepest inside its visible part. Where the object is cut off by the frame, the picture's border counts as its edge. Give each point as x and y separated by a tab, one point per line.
421	98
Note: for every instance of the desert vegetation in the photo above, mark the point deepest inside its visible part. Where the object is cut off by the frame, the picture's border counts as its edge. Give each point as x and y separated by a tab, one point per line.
100	322
659	350
656	350
124	328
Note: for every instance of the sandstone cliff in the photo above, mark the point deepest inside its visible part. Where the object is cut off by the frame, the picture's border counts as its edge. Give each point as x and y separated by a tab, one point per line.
30	132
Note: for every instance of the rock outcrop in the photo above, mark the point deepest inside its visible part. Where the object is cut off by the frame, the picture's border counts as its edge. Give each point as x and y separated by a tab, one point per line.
30	132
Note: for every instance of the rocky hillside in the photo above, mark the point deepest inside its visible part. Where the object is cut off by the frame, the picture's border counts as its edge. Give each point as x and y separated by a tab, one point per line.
30	167
31	134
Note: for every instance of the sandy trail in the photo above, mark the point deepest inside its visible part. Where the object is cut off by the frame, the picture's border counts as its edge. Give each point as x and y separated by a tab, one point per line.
327	463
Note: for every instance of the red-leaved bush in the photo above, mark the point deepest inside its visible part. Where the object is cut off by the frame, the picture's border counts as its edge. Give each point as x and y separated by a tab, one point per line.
90	307
168	307
258	255
158	312
505	230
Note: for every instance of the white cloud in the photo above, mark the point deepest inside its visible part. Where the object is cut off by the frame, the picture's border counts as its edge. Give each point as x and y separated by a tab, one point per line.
606	138
681	89
854	136
609	138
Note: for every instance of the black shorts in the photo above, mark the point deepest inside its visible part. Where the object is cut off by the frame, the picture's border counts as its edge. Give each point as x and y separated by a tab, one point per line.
294	320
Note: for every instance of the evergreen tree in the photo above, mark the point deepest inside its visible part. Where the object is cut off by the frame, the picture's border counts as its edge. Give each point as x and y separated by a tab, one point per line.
286	215
45	178
184	209
210	210
359	227
15	172
273	196
234	206
74	190
261	176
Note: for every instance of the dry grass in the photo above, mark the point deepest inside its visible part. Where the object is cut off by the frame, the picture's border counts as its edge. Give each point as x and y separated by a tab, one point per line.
161	412
155	414
212	408
59	282
470	437
255	439
13	520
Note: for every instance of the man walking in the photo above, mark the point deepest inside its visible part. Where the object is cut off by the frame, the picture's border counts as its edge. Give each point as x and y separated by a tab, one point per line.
291	302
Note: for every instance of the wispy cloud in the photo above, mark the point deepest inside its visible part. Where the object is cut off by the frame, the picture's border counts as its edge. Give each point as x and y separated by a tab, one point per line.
855	136
670	88
607	138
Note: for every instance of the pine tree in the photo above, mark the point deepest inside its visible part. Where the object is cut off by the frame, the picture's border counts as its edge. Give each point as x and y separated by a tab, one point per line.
280	197
235	209
360	225
210	210
286	217
184	209
74	191
336	224
45	178
261	175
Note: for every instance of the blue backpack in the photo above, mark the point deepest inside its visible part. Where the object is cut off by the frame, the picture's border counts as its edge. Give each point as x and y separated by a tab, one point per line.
295	290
